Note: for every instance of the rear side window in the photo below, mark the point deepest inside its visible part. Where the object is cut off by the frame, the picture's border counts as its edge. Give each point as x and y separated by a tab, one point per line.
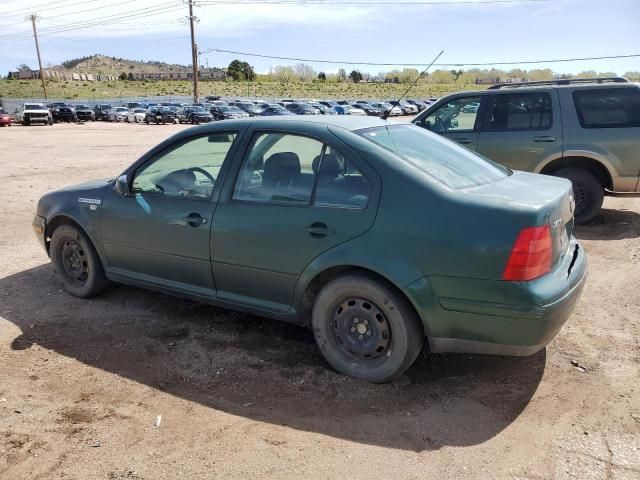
608	107
520	111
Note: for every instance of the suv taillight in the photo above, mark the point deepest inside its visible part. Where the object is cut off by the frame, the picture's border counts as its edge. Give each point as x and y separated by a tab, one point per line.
531	255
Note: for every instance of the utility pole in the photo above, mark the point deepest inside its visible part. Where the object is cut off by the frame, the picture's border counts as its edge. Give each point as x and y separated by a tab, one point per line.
35	35
194	54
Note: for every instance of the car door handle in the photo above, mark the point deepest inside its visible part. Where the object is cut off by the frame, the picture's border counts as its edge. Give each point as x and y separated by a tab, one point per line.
319	230
545	138
464	141
194	219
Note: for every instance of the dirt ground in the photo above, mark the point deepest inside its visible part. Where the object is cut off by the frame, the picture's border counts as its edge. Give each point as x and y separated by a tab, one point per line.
240	397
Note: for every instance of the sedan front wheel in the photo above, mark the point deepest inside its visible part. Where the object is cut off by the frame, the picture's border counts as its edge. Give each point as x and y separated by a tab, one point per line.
366	329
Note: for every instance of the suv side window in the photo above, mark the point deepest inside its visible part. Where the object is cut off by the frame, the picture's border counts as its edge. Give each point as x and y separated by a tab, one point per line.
186	171
608	107
457	115
520	111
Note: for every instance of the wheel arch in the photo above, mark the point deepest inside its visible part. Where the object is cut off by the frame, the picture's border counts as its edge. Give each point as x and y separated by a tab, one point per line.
321	278
59	221
595	166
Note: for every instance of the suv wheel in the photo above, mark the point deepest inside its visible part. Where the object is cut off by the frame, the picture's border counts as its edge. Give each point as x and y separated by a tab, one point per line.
365	329
76	262
587	191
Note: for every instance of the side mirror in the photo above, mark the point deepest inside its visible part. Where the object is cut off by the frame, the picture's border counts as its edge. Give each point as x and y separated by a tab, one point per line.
121	185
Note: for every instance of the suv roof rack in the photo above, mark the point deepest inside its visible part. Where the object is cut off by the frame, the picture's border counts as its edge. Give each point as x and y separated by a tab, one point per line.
567	81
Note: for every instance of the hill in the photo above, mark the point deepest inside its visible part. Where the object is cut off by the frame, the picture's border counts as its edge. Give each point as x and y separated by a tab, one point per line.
115	66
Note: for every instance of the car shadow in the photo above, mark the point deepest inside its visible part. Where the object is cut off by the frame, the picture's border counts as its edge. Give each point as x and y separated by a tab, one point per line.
610	224
266	370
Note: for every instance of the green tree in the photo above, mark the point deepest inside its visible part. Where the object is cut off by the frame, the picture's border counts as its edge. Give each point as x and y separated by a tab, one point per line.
123	76
355	76
322	77
239	71
23	68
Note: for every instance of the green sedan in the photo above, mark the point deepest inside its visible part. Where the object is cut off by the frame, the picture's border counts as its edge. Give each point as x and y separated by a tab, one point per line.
382	237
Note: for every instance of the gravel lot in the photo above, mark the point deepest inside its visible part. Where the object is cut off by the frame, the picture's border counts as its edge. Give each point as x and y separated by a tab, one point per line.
83	381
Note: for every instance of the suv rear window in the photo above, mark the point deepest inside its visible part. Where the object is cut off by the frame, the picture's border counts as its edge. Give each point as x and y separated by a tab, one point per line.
455	166
608	107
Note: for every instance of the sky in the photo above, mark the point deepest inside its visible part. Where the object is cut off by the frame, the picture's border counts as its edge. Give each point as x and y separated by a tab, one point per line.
401	32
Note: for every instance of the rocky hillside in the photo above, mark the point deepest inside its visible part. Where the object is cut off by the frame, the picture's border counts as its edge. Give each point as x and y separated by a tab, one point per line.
115	66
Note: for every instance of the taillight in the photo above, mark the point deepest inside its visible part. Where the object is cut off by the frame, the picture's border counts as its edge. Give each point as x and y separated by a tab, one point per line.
531	255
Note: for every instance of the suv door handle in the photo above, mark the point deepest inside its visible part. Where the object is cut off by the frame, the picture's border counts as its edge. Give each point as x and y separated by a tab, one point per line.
194	219
544	138
319	230
464	141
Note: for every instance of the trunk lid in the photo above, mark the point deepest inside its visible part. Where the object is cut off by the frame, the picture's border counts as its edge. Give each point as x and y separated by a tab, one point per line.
537	200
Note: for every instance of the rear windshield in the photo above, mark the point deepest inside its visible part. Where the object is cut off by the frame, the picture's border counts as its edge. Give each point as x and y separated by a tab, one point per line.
453	165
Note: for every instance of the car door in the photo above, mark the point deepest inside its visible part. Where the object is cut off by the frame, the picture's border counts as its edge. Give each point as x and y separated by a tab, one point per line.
159	232
520	129
293	198
457	118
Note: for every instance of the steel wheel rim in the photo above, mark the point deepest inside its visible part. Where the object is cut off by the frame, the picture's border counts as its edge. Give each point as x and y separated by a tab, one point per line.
74	262
361	330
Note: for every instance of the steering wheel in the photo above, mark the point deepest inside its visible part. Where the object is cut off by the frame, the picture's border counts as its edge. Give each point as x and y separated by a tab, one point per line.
210	177
438	125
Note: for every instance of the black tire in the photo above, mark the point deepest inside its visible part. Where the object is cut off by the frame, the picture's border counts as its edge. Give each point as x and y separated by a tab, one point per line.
76	262
587	191
365	329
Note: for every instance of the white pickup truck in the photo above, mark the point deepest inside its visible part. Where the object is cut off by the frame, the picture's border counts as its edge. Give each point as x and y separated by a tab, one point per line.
33	113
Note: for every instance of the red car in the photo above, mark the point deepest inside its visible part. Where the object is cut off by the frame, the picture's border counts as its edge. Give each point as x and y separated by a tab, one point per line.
5	118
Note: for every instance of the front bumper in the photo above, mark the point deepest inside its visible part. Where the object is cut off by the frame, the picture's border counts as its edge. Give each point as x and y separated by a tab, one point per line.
39	227
498	317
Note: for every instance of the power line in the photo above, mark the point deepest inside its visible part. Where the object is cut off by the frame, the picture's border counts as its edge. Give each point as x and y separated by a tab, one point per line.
142	12
389	64
364	2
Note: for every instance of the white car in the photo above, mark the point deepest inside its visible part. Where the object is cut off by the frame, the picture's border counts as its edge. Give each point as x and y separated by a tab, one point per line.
33	113
118	113
393	111
348	110
136	115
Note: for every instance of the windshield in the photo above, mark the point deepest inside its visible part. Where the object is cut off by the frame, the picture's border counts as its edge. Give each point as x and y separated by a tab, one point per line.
34	106
122	109
139	110
231	109
82	107
453	165
197	109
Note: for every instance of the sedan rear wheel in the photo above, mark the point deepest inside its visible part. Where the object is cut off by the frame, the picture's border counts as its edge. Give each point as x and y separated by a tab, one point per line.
365	329
76	262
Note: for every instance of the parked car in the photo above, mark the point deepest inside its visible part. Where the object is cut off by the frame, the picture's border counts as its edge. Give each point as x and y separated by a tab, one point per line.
348	110
101	111
302	109
369	109
585	130
252	109
84	113
65	114
199	115
118	114
405	107
60	112
159	115
329	103
275	110
5	118
30	113
323	109
227	112
136	115
133	105
419	104
375	280
393	110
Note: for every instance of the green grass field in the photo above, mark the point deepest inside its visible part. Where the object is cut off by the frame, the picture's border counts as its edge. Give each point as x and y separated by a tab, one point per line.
71	90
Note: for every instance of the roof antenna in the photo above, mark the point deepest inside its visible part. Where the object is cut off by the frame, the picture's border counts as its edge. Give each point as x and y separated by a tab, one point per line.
386	113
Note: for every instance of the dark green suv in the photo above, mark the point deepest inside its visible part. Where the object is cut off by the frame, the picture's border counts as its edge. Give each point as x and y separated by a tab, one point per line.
586	130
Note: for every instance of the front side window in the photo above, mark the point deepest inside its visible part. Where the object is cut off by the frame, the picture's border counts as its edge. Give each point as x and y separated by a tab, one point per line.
520	111
457	115
297	170
608	107
189	170
450	164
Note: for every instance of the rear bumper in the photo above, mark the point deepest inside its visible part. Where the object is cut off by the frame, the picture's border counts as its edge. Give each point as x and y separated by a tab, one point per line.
500	318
